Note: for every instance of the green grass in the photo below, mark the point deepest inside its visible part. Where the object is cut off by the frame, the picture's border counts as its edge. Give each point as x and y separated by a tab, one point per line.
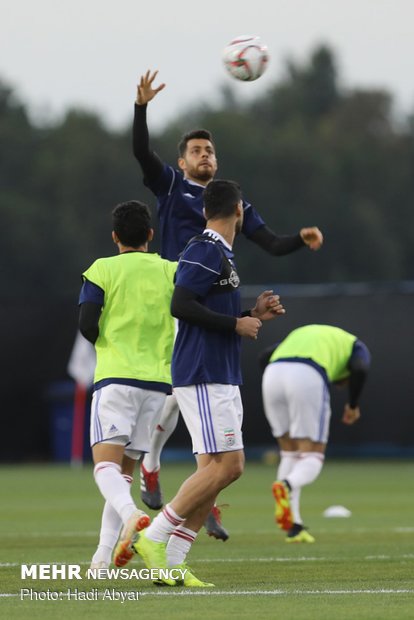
359	568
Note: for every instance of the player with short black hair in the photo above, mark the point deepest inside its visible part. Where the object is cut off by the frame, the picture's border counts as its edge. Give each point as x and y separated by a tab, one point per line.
219	197
125	313
131	222
206	376
195	134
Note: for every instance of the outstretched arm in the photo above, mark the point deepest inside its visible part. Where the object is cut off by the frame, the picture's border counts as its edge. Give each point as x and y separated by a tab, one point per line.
149	161
279	245
312	237
145	90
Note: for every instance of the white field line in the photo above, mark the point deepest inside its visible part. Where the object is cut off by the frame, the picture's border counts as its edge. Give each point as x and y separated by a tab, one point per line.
404	556
48	534
337	530
258	592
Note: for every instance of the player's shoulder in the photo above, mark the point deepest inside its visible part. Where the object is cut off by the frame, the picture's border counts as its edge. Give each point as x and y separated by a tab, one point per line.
169	267
203	243
168	181
202	249
100	263
176	177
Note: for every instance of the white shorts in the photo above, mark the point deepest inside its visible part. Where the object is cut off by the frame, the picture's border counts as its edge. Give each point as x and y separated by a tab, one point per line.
213	414
126	415
296	400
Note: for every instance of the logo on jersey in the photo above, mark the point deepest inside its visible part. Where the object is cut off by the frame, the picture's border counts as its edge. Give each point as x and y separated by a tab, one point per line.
229	438
233	280
113	429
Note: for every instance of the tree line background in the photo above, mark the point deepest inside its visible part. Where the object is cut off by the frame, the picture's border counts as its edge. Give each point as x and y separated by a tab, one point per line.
308	152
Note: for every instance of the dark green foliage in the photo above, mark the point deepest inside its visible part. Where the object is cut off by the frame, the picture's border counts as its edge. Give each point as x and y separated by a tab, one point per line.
306	153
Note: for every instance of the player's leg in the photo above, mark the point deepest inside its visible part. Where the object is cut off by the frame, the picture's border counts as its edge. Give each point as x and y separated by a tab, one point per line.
180	543
231	463
306	471
111	525
151	493
275	384
168	540
148	405
218	442
284	504
113	419
309	425
116	490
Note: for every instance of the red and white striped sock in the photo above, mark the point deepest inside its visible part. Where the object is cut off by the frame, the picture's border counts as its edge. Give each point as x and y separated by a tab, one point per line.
164	524
179	545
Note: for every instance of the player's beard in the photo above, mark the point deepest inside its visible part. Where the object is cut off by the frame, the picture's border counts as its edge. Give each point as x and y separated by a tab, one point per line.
204	175
201	173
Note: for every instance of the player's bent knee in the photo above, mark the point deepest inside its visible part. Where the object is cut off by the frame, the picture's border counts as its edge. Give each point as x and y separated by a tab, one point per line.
231	473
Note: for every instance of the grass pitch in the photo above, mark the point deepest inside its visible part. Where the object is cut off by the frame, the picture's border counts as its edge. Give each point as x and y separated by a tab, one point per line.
360	567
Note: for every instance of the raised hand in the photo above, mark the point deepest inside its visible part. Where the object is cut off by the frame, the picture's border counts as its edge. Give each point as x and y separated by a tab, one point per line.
145	90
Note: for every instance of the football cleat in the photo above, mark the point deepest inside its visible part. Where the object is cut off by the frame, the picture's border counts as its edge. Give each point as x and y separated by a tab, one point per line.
283	513
129	534
213	524
190	580
95	566
151	493
299	534
154	555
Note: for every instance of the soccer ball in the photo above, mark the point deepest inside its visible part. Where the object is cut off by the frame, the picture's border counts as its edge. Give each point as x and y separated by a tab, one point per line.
246	58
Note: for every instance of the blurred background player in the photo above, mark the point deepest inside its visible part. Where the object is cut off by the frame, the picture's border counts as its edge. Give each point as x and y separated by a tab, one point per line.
206	376
180	211
296	401
125	312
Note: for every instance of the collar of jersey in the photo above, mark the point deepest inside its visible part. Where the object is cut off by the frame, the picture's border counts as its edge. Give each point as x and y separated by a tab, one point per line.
215	235
194	183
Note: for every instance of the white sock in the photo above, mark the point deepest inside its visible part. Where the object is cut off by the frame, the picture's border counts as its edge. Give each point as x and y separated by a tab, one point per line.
306	470
179	544
111	525
294	505
164	524
115	488
162	432
288	460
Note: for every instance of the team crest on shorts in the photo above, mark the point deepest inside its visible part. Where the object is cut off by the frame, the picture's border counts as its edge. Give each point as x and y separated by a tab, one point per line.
229	438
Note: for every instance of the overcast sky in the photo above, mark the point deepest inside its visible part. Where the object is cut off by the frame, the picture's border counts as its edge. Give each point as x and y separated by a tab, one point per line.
90	53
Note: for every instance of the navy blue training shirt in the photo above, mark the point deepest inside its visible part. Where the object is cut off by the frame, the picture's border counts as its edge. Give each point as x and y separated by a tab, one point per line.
180	211
203	355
